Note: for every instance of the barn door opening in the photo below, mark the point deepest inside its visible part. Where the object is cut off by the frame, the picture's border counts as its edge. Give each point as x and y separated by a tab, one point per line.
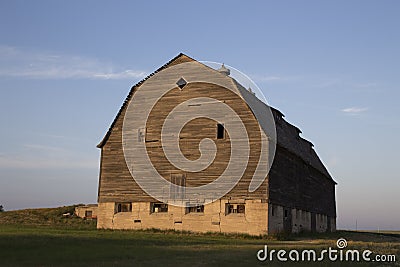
313	222
329	226
287	220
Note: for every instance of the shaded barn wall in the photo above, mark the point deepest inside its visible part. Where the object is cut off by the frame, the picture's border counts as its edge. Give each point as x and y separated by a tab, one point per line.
284	219
295	184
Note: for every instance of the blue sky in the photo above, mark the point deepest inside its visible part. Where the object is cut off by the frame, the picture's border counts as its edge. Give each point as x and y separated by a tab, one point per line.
331	67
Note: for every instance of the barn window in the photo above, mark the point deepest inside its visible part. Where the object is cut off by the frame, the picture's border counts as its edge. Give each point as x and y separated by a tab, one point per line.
123	207
158	207
220	131
234	208
286	213
195	209
181	83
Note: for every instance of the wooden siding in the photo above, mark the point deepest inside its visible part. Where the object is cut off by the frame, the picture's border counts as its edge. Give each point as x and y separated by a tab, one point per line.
116	182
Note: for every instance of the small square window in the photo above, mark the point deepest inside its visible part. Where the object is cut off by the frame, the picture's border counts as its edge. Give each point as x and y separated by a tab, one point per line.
123	207
234	208
195	209
181	83
158	207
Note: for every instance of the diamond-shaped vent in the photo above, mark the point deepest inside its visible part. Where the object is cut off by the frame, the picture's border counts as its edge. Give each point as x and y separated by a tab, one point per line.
181	83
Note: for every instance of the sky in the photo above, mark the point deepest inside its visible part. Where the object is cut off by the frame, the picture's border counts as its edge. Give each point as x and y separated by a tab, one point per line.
332	67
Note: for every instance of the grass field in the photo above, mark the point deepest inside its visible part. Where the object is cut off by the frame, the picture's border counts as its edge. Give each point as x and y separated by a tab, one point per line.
44	238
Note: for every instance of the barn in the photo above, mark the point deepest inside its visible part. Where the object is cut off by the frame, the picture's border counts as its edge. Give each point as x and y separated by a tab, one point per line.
267	179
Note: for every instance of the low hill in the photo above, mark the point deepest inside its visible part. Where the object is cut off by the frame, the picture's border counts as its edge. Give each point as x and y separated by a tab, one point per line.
45	216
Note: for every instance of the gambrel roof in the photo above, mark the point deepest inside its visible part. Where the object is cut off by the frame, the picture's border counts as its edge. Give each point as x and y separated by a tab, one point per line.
287	134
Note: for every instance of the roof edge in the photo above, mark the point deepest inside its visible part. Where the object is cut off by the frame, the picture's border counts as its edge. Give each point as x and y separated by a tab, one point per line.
107	135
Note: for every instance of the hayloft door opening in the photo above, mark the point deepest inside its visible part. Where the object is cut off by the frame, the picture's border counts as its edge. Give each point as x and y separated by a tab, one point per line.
220	131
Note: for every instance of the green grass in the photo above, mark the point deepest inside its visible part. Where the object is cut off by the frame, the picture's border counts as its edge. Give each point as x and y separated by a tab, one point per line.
46	217
58	241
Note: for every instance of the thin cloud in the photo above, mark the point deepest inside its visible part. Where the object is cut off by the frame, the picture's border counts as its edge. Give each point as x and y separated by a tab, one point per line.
52	136
43	148
19	63
10	162
35	156
121	75
266	78
354	110
328	83
366	85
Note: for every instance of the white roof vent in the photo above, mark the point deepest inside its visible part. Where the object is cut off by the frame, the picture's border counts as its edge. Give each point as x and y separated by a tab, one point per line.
224	70
251	91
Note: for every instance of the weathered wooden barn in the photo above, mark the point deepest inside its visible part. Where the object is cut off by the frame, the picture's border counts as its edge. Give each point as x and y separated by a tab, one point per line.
298	193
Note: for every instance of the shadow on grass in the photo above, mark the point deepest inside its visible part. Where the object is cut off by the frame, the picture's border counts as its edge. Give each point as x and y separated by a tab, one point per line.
49	246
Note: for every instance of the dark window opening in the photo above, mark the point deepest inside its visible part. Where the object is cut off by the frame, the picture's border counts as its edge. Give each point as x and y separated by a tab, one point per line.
158	207
123	207
181	83
273	210
88	214
152	141
286	213
234	208
195	209
220	131
137	221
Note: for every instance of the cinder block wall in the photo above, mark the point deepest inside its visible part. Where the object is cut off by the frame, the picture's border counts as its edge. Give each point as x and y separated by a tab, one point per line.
301	220
213	219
